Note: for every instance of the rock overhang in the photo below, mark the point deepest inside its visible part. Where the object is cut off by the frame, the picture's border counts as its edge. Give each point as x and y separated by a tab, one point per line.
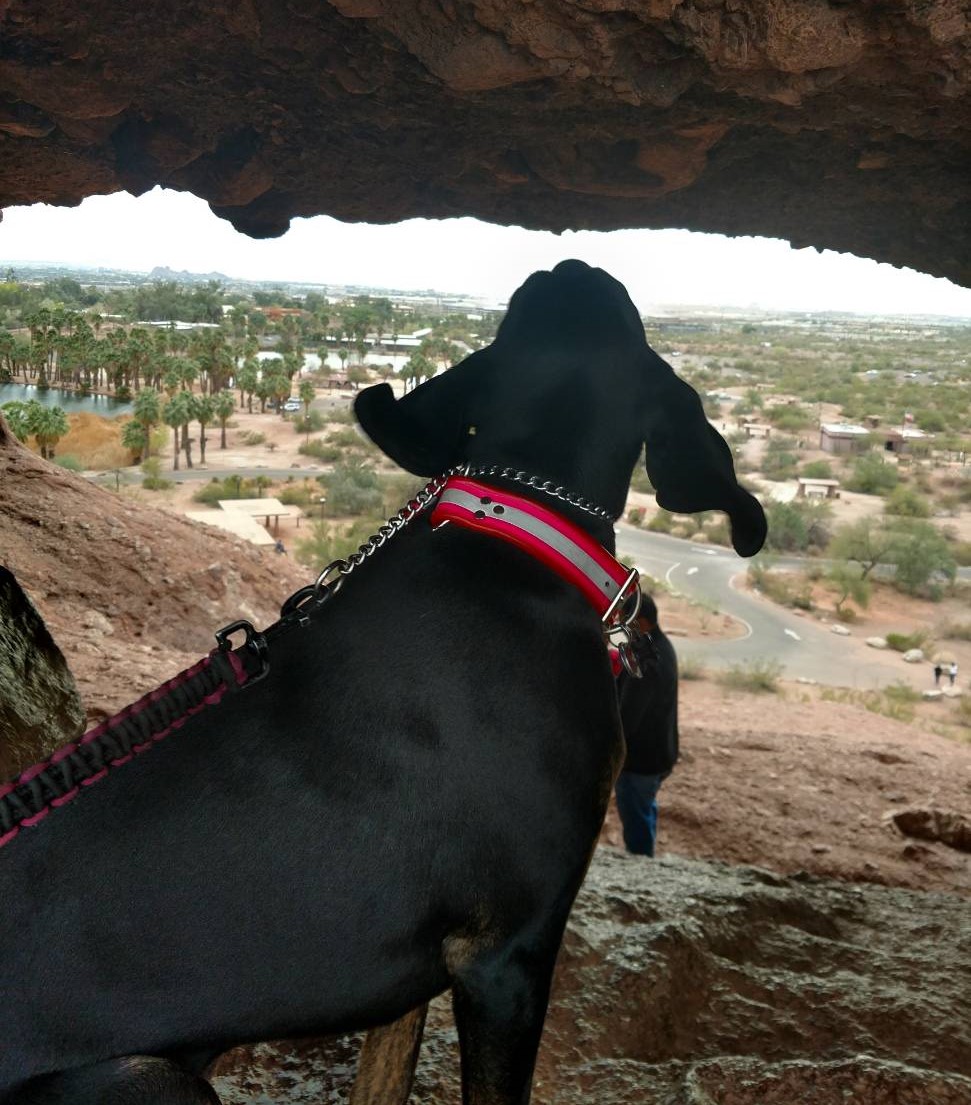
836	125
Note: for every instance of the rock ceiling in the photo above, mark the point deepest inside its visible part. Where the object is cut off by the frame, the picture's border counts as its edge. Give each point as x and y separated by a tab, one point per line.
833	124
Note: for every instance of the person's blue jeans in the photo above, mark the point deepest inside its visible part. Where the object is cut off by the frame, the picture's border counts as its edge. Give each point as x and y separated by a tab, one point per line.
637	805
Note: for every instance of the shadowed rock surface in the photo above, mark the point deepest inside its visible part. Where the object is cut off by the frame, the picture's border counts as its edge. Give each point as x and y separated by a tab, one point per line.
836	125
39	704
690	983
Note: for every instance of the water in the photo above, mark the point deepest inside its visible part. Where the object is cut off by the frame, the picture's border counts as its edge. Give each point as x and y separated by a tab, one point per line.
66	400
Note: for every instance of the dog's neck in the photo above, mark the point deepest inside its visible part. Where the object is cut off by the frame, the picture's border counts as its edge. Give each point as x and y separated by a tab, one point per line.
580	510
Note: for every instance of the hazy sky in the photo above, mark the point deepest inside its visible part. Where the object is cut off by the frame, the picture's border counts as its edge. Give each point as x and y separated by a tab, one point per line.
463	255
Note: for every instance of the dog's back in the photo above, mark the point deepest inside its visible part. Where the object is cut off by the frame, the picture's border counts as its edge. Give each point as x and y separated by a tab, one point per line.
410	798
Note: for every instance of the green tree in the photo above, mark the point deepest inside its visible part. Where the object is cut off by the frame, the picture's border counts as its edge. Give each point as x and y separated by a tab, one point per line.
849	582
204	411
867	541
177	413
48	425
135	439
906	502
307	393
147	412
921	553
872	475
224	406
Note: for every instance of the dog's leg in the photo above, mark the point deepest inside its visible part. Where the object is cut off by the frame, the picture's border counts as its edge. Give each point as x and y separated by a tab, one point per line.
500	1004
135	1080
386	1068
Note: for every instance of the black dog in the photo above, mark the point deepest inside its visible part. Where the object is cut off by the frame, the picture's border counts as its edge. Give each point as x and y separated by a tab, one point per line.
409	800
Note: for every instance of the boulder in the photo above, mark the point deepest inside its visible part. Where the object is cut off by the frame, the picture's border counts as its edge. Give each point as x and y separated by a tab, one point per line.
694	983
39	703
913	656
877	642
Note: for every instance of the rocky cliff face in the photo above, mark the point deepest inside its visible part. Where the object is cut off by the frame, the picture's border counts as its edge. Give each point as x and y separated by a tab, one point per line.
830	124
688	983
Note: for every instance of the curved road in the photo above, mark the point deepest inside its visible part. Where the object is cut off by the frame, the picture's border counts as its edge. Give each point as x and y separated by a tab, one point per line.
803	647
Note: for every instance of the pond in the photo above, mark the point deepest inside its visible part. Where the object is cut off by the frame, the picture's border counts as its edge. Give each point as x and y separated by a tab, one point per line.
66	400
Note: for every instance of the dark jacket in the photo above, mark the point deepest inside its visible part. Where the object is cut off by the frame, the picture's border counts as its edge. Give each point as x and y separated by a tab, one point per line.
649	707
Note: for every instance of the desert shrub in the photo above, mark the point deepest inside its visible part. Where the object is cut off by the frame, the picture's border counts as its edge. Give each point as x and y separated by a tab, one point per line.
756	677
310	424
872	475
300	495
923	558
785	588
903	642
789	418
662	522
780	460
252	437
720	533
798	525
907	503
232	487
818	470
328	541
152	479
347	438
636	515
354	488
320	450
398	489
72	464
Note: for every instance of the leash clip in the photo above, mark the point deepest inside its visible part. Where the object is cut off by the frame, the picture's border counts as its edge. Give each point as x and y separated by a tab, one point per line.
255	642
620	621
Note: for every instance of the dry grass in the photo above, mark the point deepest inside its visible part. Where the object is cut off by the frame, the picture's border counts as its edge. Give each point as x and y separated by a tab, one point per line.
95	441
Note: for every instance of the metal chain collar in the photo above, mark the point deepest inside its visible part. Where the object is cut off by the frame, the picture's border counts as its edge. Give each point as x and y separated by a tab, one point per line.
546	486
428	494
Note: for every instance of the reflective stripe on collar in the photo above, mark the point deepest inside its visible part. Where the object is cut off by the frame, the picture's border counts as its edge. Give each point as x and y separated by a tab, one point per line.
562	546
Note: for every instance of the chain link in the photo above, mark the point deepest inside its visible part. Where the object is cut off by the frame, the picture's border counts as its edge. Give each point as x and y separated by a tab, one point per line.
556	491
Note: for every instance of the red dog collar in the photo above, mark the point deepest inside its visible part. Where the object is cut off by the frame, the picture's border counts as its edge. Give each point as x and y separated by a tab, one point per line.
562	546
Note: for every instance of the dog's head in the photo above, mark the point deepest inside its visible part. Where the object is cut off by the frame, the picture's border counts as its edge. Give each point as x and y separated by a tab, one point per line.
569	391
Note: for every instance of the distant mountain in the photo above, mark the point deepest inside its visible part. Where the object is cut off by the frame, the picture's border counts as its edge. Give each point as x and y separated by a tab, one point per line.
163	273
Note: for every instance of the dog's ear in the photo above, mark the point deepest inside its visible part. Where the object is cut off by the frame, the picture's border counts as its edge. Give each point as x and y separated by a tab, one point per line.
690	463
426	431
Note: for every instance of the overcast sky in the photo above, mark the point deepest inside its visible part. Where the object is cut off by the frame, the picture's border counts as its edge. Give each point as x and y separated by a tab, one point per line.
463	255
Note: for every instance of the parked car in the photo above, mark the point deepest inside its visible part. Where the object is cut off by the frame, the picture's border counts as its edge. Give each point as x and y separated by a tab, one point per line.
293	405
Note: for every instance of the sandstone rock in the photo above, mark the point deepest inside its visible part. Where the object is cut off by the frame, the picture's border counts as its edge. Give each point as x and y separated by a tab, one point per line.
877	642
913	656
693	983
835	125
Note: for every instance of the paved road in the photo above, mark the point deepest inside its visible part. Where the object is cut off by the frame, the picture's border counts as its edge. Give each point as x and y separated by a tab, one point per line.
801	645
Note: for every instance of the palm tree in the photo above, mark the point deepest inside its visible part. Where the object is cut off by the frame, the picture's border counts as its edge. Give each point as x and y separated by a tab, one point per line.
204	411
48	425
224	405
246	379
307	393
147	415
177	413
135	440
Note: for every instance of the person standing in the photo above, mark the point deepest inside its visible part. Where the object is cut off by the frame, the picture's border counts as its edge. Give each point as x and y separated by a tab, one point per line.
938	672
649	715
952	671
